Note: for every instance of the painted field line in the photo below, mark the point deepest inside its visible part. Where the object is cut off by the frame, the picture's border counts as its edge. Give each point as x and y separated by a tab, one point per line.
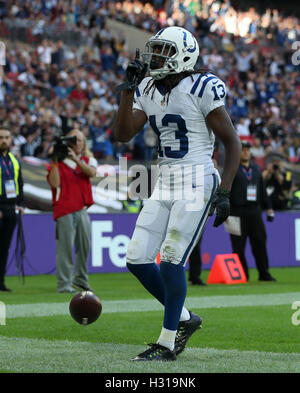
36	355
140	305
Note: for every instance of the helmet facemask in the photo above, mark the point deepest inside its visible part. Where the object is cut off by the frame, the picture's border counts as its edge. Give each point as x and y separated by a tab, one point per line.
160	55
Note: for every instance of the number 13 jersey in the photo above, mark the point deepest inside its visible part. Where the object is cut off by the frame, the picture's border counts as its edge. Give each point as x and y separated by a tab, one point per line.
179	121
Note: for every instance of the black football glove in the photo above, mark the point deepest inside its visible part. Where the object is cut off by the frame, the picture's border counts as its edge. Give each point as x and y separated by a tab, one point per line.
135	73
221	204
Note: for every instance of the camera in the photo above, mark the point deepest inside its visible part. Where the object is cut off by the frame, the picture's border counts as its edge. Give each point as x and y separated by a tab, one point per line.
60	147
275	167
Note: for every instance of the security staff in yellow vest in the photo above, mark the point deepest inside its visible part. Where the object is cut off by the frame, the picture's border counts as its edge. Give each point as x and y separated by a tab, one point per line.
11	199
294	203
132	206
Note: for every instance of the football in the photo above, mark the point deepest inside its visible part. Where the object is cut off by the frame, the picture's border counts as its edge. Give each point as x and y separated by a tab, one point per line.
85	307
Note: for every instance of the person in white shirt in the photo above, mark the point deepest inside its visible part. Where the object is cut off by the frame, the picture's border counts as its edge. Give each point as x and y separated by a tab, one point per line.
45	51
257	149
243	127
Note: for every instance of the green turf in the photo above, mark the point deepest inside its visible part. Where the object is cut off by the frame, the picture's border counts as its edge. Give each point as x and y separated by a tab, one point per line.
111	286
29	355
251	328
228	333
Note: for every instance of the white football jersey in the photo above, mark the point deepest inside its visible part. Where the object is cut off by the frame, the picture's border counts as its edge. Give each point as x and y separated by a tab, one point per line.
183	135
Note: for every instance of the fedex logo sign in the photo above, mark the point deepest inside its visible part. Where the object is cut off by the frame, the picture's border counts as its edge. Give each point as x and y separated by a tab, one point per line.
104	244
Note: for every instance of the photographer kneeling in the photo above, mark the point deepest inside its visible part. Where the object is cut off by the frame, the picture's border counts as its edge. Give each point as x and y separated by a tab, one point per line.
69	173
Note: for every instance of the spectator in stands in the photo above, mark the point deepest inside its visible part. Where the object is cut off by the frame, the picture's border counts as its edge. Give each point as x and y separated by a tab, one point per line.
107	59
258	91
274	108
33	140
122	150
78	93
17	140
242	127
57	54
101	144
241	107
61	90
44	51
257	149
42	150
243	64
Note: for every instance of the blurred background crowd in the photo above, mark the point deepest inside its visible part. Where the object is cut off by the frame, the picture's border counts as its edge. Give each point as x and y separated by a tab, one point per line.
63	64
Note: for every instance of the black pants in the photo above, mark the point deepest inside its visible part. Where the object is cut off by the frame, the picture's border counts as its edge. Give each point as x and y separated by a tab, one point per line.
252	226
7	226
195	262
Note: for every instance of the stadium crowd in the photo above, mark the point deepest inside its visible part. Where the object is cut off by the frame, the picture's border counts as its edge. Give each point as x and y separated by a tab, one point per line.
51	86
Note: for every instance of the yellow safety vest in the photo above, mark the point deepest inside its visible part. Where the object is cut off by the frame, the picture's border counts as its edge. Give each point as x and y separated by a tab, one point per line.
16	173
133	207
297	194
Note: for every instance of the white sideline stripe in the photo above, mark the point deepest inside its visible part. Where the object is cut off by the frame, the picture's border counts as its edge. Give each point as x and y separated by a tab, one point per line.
140	305
39	355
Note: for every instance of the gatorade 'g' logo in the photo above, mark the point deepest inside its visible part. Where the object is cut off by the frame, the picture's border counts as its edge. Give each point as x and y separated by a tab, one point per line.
233	270
227	269
2	53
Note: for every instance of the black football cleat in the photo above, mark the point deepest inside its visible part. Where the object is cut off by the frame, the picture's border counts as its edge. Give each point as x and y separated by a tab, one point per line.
156	352
185	330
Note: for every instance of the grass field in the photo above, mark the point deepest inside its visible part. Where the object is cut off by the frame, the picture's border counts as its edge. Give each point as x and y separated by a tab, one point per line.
246	327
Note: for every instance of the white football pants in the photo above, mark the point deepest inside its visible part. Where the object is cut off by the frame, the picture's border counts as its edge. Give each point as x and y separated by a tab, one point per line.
166	226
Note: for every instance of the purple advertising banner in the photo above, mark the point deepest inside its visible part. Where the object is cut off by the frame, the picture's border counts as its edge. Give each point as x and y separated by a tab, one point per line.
111	234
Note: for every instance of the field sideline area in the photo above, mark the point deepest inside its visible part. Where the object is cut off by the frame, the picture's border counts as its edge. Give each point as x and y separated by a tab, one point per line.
246	327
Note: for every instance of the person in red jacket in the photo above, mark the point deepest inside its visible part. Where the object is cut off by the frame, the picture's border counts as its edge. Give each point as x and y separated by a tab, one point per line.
71	196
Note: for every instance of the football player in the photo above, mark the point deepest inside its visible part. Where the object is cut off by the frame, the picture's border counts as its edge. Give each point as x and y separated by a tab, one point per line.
186	110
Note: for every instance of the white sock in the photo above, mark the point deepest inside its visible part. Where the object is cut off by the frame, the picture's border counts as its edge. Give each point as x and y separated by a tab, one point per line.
185	315
167	338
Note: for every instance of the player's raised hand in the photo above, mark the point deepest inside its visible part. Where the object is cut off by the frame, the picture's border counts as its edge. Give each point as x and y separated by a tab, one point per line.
136	71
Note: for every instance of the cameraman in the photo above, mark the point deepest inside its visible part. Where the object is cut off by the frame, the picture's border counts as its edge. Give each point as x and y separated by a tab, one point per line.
69	179
278	184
